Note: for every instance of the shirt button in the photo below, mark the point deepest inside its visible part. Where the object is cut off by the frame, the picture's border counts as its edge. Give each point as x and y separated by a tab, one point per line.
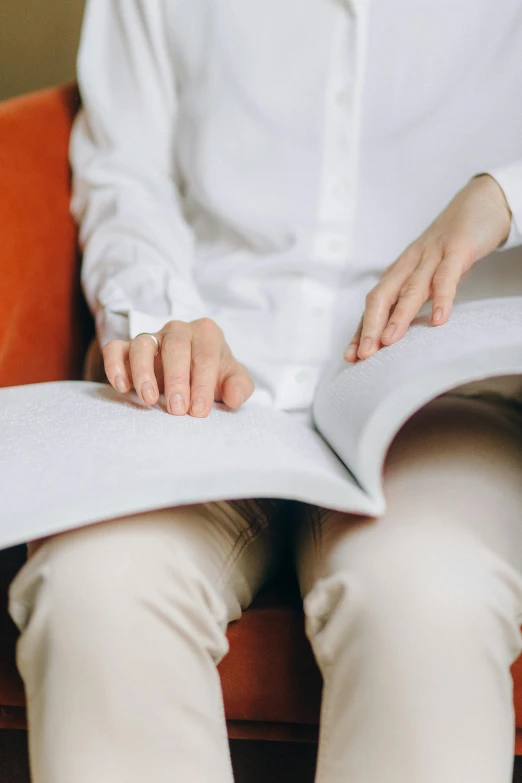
302	375
335	245
351	6
342	97
339	191
332	247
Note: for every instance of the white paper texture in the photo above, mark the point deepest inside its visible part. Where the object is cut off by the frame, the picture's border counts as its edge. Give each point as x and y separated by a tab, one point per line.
73	453
361	409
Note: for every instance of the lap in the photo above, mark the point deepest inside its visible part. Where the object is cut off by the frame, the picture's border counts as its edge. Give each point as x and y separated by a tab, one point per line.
232	543
453	473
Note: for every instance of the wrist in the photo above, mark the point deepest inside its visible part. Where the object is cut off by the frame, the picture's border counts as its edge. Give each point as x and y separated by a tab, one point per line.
495	193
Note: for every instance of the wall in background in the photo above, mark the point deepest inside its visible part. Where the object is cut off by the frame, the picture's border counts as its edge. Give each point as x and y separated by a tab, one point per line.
38	42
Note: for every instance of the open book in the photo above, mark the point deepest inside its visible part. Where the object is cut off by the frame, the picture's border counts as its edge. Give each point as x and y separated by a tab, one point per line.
73	453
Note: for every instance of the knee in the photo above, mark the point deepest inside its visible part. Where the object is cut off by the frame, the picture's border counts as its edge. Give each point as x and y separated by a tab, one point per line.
101	585
417	581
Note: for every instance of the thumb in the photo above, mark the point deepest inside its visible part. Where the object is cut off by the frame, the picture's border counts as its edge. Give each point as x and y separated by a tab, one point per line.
236	385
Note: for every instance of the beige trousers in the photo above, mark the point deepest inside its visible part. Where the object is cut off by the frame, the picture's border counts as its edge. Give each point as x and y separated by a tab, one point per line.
414	619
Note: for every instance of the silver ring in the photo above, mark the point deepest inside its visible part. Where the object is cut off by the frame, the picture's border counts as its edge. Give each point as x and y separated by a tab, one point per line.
148	334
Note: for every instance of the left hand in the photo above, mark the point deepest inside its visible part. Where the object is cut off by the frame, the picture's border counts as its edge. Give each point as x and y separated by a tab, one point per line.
474	224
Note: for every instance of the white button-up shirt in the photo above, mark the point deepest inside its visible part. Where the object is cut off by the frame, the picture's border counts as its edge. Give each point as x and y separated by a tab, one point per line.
262	161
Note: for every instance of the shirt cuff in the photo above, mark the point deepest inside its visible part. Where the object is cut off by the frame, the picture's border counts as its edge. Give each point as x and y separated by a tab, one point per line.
111	325
510	180
127	324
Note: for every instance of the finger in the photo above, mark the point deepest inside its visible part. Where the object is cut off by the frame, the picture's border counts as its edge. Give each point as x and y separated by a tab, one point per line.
236	385
382	299
176	354
378	305
444	287
115	361
142	351
207	346
350	354
414	292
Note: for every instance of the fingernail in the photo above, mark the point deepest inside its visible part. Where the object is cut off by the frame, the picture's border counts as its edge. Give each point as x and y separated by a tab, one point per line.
240	394
437	315
177	403
350	353
389	332
147	392
366	344
120	383
198	405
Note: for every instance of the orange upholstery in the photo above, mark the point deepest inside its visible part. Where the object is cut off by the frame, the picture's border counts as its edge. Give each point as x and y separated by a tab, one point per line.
270	681
40	336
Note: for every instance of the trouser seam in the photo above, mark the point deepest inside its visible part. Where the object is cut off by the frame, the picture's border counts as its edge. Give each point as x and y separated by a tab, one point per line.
316	529
256	525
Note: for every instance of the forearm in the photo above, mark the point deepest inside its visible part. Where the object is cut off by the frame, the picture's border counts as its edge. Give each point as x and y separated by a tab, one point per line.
137	246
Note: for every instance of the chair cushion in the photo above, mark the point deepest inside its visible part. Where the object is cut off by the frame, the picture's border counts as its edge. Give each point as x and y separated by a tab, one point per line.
270	673
44	324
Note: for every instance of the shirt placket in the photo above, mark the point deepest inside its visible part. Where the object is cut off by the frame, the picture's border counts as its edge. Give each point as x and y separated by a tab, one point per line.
333	242
337	194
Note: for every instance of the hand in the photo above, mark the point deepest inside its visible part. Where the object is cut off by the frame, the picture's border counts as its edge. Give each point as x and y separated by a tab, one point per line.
474	224
194	365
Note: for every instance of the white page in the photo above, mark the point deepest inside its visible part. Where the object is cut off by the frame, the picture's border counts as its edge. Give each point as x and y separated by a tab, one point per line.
72	453
365	404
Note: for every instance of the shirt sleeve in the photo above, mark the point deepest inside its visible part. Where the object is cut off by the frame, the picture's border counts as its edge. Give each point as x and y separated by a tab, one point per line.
138	249
510	180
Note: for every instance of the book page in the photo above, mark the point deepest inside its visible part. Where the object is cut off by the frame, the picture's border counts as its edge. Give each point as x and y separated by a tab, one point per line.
72	453
360	409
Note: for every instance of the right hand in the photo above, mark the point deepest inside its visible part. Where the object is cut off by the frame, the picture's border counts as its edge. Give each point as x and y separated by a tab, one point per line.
194	367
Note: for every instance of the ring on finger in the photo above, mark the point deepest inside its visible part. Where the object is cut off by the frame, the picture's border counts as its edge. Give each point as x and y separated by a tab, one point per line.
148	334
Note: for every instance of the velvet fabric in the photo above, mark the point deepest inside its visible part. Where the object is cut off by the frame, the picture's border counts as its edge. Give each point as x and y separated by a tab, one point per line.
271	684
41	334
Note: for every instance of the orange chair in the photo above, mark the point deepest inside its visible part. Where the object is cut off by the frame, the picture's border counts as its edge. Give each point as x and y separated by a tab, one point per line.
271	685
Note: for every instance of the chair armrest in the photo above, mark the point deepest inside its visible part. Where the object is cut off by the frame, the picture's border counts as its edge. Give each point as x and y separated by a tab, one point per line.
40	333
